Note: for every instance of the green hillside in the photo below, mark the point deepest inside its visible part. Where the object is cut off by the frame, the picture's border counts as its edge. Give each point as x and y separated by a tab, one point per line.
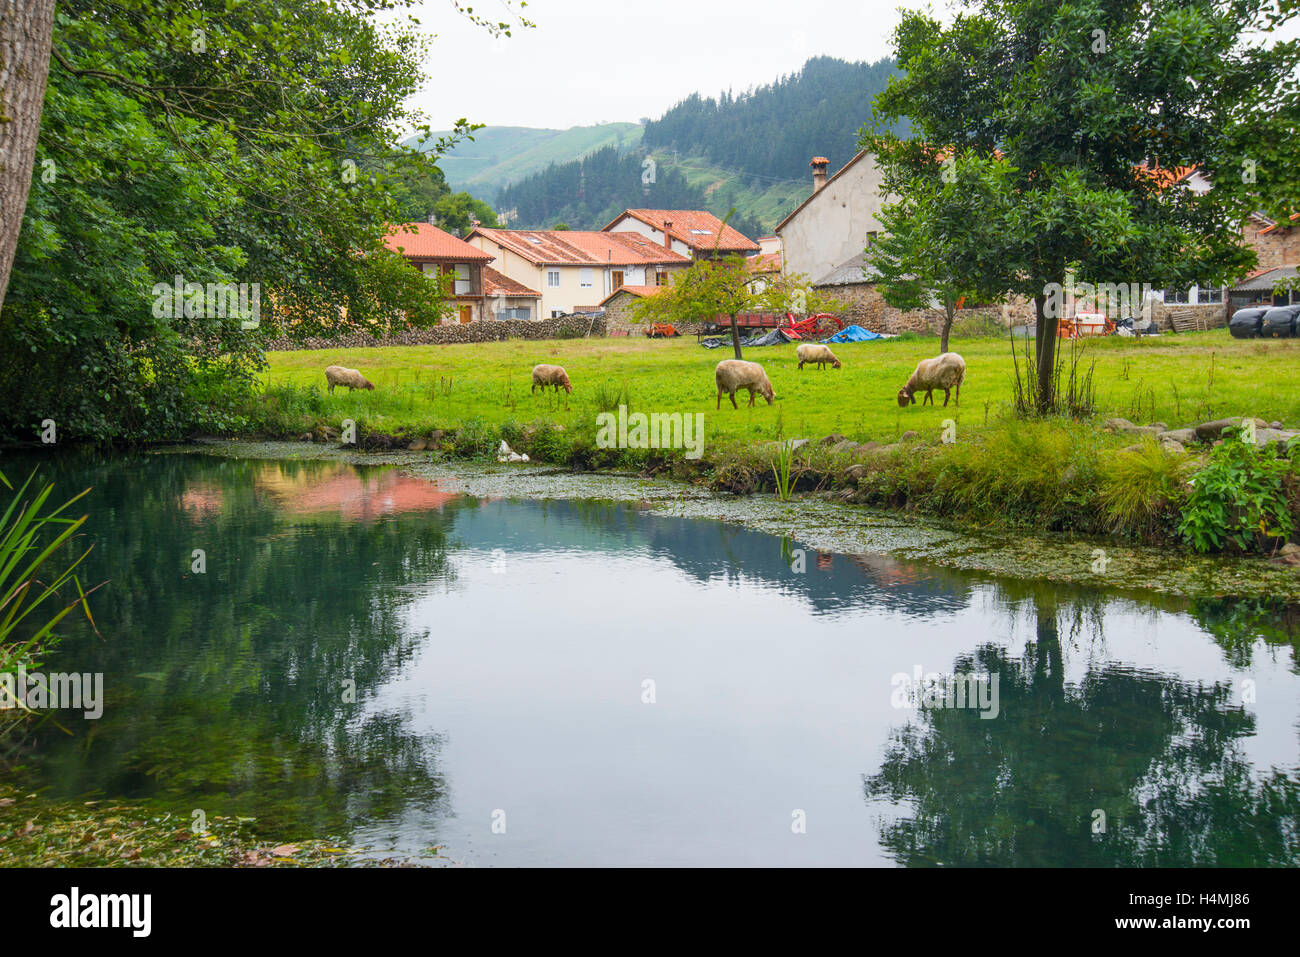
766	202
499	155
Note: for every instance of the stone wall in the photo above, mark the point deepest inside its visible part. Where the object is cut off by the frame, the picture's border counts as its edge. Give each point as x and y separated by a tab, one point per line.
618	315
569	327
1281	247
867	308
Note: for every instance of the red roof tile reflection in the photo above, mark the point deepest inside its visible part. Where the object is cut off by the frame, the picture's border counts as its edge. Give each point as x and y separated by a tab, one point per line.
351	494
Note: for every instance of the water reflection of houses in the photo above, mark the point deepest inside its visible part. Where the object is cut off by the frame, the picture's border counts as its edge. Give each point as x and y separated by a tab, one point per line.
355	495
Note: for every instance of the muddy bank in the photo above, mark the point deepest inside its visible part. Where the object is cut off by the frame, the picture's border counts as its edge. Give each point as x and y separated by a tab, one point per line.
820	521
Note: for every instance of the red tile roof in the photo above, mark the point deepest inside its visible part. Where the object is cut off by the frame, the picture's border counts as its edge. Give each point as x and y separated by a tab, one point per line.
1294	217
494	283
697	228
641	292
430	242
571	247
764	262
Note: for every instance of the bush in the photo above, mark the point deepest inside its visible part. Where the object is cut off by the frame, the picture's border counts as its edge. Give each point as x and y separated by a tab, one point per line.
475	439
1239	499
978	325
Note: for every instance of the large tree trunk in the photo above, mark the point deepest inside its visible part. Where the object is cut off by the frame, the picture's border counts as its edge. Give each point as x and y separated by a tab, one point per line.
1044	353
25	30
950	311
735	336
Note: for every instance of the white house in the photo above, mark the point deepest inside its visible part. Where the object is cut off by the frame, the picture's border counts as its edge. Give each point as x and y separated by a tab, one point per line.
575	270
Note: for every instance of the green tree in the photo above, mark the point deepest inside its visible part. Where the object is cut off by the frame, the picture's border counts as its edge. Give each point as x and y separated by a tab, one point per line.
934	245
713	289
246	143
457	212
1083	104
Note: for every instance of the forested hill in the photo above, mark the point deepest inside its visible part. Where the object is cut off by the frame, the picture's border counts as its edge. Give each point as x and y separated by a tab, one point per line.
749	151
588	193
773	131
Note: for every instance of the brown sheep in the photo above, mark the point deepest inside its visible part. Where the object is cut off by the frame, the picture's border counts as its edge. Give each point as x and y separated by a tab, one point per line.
733	374
942	372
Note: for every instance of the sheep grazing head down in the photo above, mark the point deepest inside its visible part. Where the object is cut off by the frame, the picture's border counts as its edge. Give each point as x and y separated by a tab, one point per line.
905	398
835	363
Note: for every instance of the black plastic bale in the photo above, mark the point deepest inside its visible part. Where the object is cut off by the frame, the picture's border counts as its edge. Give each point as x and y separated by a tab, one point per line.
1279	322
1245	323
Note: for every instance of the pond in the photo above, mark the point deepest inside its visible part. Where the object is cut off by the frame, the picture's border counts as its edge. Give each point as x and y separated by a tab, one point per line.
359	652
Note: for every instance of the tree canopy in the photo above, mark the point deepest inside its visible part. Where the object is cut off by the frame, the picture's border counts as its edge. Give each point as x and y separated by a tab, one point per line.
247	142
1079	113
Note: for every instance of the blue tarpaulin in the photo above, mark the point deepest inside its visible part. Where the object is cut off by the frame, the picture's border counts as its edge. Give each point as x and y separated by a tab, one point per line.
854	334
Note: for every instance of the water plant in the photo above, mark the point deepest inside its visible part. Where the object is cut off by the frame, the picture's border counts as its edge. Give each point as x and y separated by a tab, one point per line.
782	466
31	535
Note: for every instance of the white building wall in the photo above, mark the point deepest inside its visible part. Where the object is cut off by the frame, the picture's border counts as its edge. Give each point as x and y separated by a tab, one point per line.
835	224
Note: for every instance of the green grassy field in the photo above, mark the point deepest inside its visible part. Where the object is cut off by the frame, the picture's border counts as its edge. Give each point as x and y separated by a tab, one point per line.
1177	379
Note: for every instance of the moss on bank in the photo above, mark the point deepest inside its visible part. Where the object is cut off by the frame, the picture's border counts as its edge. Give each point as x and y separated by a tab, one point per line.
38	832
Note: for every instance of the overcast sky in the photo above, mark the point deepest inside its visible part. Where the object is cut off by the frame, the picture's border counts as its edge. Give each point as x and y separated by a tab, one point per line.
596	61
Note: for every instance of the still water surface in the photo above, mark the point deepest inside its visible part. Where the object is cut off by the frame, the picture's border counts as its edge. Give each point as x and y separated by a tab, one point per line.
579	683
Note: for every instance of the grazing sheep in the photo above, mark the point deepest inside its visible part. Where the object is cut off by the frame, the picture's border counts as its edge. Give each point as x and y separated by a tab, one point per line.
942	372
545	375
338	375
815	352
733	374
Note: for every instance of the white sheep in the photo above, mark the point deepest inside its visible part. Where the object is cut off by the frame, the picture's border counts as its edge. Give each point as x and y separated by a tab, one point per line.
338	375
942	372
815	352
733	374
545	375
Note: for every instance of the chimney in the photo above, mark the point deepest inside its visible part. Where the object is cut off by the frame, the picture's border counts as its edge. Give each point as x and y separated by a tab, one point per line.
819	165
433	219
668	243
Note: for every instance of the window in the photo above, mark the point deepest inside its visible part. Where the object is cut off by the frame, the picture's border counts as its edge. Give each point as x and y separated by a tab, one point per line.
618	279
1211	295
464	287
701	232
585	277
1179	297
871	237
553	278
661	277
